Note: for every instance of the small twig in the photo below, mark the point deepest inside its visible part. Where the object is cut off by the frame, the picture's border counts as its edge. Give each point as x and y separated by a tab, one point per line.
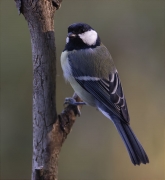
68	116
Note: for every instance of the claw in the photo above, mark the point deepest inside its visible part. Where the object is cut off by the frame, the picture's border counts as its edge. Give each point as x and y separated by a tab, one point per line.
72	101
78	111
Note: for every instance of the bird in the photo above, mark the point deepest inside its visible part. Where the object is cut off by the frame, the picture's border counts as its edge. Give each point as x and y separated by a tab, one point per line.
89	68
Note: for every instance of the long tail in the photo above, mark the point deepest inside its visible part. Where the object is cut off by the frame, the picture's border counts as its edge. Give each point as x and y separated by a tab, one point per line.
135	149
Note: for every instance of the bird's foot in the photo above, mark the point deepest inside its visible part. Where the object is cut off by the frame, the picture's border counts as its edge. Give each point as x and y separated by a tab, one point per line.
72	101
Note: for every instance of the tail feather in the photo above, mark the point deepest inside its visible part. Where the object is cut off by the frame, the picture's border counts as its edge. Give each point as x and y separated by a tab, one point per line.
135	149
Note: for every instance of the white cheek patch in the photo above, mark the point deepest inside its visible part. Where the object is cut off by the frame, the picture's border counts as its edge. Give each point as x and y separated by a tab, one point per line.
89	37
67	40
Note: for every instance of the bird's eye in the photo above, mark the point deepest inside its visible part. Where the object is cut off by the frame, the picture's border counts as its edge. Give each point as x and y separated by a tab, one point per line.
83	30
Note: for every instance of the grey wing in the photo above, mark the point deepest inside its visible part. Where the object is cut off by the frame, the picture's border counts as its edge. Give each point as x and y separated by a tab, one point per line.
106	89
110	94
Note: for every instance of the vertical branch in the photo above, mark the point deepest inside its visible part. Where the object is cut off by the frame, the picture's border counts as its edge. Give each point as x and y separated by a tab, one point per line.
40	17
49	130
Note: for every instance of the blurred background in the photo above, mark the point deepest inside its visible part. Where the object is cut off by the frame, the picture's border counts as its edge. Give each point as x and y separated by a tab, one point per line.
134	32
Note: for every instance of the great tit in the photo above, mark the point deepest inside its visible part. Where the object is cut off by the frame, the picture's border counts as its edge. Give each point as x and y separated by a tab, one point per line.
88	66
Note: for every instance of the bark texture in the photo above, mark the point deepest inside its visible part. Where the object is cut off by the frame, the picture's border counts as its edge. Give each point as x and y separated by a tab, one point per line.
49	129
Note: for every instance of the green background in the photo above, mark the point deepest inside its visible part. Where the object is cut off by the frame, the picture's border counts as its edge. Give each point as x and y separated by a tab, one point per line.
134	32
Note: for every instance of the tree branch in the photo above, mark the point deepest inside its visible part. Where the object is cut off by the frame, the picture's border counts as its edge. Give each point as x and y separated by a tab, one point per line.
49	129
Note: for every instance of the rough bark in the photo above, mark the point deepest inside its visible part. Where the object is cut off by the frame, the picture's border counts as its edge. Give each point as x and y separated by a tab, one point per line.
49	129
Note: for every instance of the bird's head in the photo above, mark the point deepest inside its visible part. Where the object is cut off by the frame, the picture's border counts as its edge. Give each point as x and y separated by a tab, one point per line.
81	36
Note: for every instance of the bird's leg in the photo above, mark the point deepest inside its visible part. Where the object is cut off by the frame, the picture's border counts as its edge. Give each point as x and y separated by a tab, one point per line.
72	101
